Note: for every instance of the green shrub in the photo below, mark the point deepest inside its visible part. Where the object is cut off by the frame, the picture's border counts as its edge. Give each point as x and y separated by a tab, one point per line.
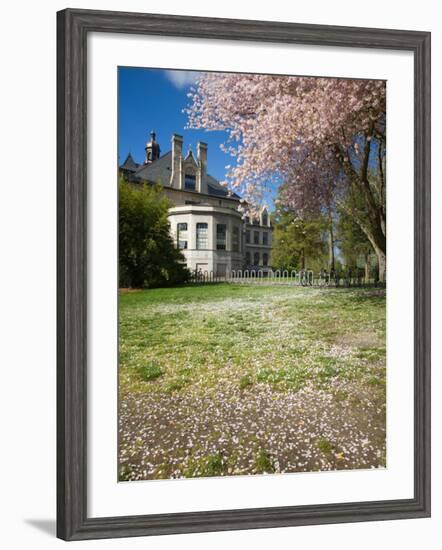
147	255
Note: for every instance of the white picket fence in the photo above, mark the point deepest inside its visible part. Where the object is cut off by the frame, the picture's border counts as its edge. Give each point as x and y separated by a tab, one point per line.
301	278
305	277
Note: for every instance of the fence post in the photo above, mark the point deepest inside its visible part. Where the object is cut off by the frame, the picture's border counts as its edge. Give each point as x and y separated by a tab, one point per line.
278	276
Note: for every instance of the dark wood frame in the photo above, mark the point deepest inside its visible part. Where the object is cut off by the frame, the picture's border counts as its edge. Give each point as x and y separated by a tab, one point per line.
73	27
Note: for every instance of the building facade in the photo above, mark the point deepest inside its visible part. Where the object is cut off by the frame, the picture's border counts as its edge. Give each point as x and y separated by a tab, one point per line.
206	221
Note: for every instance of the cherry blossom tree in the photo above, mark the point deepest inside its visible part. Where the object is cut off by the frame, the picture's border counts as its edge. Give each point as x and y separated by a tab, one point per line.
322	138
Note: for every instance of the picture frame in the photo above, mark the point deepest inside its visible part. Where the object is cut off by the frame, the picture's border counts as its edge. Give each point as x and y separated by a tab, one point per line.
73	27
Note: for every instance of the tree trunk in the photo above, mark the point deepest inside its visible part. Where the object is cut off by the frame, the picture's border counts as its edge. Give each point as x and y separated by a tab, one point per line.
303	258
382	264
367	268
331	248
377	240
372	220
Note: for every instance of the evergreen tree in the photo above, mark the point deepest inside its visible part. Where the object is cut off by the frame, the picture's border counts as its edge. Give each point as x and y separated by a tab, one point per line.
147	255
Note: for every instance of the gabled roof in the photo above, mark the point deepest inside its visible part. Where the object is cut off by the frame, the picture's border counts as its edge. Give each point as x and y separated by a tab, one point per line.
129	164
190	156
215	188
159	171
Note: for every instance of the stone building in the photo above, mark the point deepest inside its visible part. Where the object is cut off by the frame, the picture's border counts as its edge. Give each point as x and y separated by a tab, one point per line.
205	221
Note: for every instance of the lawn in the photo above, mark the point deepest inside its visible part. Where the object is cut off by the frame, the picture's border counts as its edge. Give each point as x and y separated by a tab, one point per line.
240	379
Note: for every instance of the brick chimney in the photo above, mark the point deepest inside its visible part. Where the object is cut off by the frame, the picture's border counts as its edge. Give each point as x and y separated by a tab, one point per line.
177	161
201	184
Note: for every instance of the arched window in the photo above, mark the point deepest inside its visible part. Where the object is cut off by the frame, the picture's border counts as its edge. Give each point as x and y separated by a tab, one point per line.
265	259
265	218
256	258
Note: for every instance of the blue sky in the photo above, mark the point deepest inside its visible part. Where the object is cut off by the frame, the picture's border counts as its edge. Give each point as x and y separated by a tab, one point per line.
153	99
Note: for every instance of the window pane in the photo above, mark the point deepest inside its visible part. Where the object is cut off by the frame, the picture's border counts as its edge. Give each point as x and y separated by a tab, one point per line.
221	231
181	233
190	181
235	239
256	258
265	259
248	258
202	236
248	236
265	238
256	237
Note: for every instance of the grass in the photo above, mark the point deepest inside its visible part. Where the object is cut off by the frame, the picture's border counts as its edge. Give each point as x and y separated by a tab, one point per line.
208	466
149	372
264	463
325	446
226	379
197	337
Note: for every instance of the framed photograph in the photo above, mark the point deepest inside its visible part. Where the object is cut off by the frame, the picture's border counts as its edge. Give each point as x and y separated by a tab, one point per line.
243	274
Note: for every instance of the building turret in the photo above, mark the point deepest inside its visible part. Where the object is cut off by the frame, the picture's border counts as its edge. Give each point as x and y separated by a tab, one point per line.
152	149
